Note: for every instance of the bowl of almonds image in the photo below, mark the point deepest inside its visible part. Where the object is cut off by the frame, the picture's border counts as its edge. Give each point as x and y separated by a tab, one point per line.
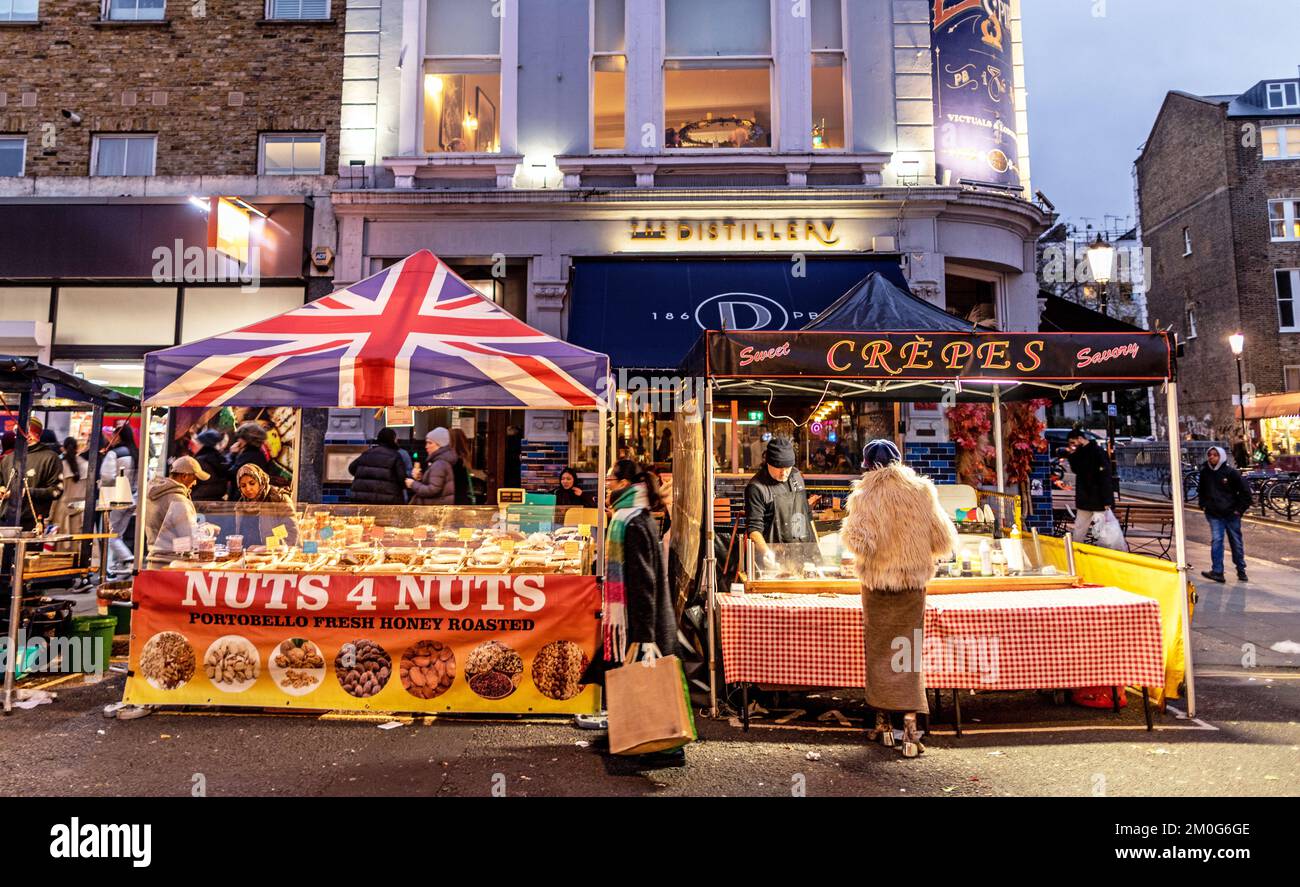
427	669
232	663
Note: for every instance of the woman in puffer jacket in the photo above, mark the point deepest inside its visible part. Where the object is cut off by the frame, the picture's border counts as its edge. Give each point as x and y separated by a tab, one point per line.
896	529
436	484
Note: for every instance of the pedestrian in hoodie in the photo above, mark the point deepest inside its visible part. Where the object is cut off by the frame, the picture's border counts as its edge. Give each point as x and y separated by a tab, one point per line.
1224	497
169	515
436	485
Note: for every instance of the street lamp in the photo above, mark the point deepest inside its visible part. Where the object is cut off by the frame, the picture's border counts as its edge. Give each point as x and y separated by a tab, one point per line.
1101	262
1238	344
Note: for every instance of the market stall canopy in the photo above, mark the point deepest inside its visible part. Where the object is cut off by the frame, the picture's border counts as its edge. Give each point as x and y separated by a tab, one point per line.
52	387
1274	406
415	334
877	304
1063	316
923	366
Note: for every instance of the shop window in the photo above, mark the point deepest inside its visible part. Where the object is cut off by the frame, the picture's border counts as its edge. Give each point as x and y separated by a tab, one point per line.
134	10
293	154
131	155
1292	378
828	67
13	154
125	375
298	9
1281	142
718	74
116	315
18	10
608	75
1288	284
1284	220
970	299
25	303
212	310
462	78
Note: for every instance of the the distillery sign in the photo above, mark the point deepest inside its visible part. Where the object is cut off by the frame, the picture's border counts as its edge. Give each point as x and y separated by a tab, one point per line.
738	232
1063	357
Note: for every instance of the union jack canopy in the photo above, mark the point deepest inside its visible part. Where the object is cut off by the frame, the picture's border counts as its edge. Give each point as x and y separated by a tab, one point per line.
415	334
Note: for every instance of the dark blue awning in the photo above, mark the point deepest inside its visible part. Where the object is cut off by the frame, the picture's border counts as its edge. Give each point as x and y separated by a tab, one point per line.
648	313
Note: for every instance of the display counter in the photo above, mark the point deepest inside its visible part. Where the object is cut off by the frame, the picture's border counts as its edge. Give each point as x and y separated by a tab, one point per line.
388	608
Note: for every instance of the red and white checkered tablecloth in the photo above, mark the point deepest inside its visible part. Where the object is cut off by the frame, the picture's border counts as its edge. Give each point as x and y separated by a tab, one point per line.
1009	640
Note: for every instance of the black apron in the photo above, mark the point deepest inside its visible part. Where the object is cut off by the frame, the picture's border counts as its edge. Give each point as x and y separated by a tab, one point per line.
791	524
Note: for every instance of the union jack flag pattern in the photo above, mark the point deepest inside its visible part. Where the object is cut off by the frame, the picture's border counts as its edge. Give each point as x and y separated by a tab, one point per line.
415	334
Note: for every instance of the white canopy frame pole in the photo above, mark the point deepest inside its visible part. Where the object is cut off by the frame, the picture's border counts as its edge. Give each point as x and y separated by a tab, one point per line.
603	412
710	551
1180	539
997	438
142	484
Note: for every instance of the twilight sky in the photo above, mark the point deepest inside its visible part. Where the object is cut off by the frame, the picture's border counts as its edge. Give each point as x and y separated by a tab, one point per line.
1096	82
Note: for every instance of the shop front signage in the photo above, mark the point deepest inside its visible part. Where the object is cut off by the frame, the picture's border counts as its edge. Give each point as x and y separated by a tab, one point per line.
811	233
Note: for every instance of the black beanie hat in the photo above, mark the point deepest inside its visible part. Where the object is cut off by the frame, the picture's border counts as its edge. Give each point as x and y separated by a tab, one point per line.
780	452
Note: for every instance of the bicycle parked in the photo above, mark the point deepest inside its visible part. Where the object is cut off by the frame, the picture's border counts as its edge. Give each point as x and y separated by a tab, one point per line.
1277	493
1191	476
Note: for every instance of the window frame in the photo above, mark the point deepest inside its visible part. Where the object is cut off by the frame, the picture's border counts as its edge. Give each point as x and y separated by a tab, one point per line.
424	60
305	136
11	19
1290	368
1288	149
22	166
773	79
846	91
1294	274
106	12
1290	220
591	79
269	13
1282	88
130	136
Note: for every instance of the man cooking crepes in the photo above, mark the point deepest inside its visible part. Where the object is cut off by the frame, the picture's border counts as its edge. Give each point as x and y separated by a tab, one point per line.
777	511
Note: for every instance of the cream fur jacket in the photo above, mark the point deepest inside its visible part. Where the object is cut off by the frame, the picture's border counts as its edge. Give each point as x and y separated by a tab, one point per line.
896	529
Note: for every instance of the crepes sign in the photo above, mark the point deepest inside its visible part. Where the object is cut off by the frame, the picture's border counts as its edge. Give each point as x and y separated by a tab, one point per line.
1048	357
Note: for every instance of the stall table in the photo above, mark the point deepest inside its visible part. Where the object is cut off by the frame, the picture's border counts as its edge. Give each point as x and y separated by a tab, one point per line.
1023	640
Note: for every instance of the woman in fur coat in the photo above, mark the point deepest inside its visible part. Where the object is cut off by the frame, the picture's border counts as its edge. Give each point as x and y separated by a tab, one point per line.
896	530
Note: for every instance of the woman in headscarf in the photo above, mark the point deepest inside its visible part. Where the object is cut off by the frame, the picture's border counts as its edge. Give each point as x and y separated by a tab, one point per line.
262	508
896	529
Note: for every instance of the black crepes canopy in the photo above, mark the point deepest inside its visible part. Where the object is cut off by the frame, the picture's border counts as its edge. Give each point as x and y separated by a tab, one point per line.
48	384
875	303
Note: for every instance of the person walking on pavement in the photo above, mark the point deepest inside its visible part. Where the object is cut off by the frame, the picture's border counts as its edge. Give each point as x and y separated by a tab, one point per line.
896	529
120	458
436	485
378	474
1094	489
1224	497
214	462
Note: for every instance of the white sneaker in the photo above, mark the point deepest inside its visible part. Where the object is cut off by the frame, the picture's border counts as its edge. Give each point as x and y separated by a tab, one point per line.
591	722
132	712
111	710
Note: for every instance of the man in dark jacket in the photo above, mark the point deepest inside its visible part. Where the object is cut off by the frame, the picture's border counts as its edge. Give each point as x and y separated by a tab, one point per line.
1094	490
1224	497
213	461
378	474
44	479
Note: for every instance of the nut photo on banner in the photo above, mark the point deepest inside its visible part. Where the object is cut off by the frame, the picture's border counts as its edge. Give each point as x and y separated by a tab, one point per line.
297	666
557	670
427	669
363	668
232	663
167	660
494	670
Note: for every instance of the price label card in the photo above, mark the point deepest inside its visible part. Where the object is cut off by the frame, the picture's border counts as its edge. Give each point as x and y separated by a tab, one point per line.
273	542
466	534
326	532
507	545
279	531
584	530
572	549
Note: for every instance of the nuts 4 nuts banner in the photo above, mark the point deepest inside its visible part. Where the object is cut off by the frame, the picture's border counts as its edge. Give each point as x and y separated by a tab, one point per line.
339	641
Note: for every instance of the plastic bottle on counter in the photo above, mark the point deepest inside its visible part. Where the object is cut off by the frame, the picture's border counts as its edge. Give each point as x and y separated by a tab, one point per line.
986	558
1013	547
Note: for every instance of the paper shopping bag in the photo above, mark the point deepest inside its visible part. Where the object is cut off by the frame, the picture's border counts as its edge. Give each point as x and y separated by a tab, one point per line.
649	707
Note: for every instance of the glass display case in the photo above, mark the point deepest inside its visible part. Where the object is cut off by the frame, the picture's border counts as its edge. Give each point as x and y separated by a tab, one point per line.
372	539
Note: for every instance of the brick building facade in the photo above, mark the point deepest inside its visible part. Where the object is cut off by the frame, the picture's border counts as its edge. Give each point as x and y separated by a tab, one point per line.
1209	176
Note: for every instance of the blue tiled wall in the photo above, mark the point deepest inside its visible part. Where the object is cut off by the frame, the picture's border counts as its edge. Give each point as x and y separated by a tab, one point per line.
937	461
1042	516
335	494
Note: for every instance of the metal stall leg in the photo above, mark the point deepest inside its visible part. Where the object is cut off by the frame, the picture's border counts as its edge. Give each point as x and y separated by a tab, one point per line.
956	711
1146	708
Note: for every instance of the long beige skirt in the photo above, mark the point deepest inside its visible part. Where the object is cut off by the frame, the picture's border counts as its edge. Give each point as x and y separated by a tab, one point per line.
893	625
